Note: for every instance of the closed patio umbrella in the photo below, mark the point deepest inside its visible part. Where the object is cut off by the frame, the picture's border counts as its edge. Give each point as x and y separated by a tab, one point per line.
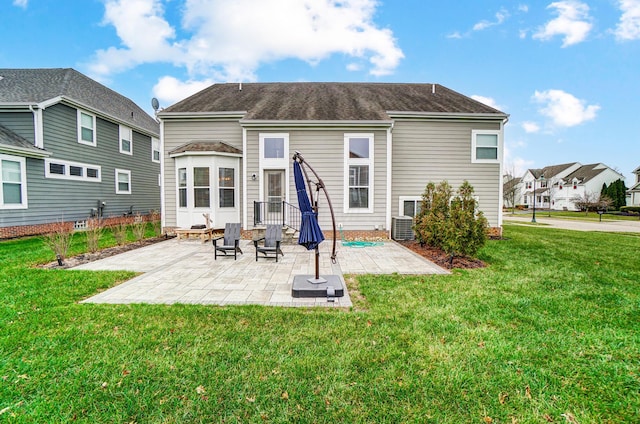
310	232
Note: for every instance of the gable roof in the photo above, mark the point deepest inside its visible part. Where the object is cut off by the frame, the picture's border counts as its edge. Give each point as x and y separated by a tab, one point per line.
217	146
14	143
329	101
587	172
550	171
36	86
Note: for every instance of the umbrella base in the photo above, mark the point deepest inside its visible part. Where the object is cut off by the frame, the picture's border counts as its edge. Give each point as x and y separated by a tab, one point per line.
305	286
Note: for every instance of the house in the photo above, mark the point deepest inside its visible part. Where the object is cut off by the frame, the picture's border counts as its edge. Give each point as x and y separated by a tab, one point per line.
511	190
71	148
228	149
555	187
633	194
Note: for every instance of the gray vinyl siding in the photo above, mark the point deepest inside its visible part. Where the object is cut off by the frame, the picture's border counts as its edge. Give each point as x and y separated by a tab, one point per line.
52	199
323	149
427	151
179	132
20	123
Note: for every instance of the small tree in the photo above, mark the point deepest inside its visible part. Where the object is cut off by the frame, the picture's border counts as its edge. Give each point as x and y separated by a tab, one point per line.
450	222
590	202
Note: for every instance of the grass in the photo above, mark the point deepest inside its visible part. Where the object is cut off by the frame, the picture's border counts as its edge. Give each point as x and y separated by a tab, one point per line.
547	333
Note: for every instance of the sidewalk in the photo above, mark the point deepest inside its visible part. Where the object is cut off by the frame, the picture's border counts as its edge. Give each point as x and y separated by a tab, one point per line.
575	224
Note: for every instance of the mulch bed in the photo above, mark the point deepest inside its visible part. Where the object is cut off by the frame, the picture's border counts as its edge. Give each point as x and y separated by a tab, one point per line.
102	254
442	259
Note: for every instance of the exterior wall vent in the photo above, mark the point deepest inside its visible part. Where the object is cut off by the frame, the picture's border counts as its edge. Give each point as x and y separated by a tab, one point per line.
401	228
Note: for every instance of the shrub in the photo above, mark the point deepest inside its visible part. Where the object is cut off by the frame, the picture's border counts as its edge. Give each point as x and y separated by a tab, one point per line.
154	216
450	222
93	233
59	239
120	233
139	227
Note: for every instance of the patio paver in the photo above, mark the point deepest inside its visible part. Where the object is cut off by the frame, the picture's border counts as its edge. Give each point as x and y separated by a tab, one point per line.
185	272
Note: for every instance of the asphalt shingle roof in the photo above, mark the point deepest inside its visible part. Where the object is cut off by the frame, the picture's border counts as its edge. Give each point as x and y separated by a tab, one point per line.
586	172
206	146
38	85
11	139
327	101
551	171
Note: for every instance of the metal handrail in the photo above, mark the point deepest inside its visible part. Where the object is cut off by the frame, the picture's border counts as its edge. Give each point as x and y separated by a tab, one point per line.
280	213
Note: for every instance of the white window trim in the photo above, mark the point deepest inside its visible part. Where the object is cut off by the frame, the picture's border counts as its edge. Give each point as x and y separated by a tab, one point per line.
67	175
128	173
155	147
474	134
368	161
403	199
93	117
125	133
23	183
273	163
234	188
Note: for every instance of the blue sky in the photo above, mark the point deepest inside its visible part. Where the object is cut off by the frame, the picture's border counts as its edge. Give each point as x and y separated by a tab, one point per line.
567	72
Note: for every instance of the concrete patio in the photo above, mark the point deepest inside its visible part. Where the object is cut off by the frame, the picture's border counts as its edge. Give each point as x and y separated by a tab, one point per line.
185	272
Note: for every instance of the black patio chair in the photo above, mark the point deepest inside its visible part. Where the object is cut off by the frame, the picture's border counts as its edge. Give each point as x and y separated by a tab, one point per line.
271	242
230	241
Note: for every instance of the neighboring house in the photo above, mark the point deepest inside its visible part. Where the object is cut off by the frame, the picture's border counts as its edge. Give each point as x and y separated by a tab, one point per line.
633	194
71	148
511	190
555	186
227	150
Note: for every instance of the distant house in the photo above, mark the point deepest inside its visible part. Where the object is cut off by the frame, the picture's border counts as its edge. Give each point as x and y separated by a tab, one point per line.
634	191
227	151
71	148
555	186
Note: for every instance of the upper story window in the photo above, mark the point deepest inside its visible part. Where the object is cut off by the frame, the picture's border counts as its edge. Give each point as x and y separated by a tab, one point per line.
65	170
485	146
86	128
155	150
13	179
358	153
126	140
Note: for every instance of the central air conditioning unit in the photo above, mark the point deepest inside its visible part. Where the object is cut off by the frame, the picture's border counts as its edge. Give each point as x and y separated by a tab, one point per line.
401	228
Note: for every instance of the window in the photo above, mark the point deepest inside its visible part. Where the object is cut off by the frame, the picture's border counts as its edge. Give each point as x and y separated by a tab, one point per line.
358	150
155	150
274	149
485	146
65	170
410	205
13	177
86	128
126	143
529	185
201	191
182	187
226	186
123	181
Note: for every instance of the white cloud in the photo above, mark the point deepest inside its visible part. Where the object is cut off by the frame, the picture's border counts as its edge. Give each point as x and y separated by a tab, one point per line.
487	101
455	35
523	8
21	3
629	26
501	15
563	108
573	23
530	127
170	90
230	40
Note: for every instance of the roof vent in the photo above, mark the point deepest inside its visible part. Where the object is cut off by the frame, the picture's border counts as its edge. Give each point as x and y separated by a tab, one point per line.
433	89
240	87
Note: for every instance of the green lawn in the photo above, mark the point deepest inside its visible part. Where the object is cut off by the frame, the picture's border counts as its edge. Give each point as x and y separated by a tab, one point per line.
549	332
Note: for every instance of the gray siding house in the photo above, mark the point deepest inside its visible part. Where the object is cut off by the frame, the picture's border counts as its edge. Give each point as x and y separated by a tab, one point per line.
69	148
228	148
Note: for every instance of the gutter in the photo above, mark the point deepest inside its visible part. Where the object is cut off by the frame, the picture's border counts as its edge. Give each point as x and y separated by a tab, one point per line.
314	123
22	151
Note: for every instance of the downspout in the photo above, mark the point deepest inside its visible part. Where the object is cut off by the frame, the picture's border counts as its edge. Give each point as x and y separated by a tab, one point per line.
387	225
245	213
501	185
38	135
163	204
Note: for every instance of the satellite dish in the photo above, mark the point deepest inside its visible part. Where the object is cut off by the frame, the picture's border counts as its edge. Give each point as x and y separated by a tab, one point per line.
155	104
